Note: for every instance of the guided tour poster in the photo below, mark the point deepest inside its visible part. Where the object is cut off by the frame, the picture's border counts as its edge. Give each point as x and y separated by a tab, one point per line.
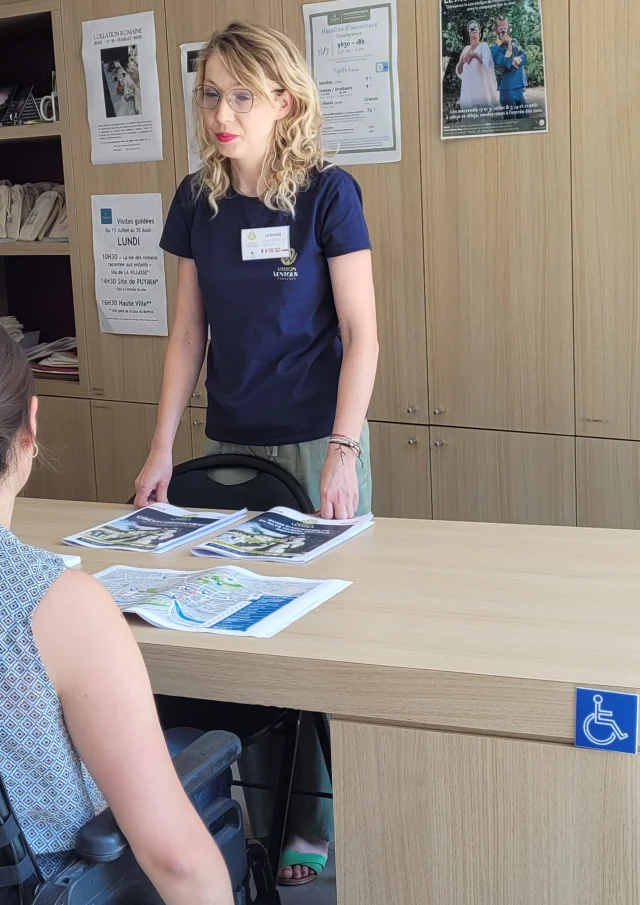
493	68
352	51
129	264
123	92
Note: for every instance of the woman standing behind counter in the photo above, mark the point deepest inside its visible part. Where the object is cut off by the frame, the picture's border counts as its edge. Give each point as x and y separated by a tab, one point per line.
274	258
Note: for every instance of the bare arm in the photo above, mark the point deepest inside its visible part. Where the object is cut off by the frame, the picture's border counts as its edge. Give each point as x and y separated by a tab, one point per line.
98	673
182	365
352	283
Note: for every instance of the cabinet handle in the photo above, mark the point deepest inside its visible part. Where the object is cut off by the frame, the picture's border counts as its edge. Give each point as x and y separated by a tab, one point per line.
440	443
196	395
412	441
412	409
197	423
438	411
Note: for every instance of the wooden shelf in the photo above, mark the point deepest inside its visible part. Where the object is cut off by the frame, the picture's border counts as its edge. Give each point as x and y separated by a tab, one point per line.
64	388
34	248
37	131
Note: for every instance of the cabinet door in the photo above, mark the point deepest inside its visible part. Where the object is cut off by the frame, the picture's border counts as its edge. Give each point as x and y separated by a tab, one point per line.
606	227
66	471
499	476
197	418
120	367
394	216
497	233
608	482
123	433
401	470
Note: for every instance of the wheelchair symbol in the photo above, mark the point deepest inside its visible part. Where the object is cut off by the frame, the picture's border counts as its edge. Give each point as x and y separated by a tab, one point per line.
604	718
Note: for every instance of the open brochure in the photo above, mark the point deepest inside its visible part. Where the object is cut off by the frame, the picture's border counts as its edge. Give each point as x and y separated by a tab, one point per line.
154	529
283	535
225	600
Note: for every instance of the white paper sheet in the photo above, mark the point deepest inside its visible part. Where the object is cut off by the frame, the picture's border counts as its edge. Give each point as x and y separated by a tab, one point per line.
352	51
188	58
123	92
129	264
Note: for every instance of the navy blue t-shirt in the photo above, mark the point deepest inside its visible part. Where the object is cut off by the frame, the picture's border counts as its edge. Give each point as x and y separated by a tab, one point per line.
275	352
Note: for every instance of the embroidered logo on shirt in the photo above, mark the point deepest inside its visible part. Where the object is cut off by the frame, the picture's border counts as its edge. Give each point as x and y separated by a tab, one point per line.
287	271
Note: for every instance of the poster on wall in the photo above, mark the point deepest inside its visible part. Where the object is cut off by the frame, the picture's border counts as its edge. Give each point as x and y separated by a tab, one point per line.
129	264
188	64
352	51
123	92
493	68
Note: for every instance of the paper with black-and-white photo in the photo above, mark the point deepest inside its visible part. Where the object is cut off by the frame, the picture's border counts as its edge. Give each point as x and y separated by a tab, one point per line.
188	63
352	51
130	284
123	92
493	68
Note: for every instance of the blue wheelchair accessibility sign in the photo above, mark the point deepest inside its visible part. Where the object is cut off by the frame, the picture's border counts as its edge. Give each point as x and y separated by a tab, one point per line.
607	720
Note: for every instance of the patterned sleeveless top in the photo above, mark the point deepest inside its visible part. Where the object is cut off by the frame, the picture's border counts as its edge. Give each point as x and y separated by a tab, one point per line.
51	793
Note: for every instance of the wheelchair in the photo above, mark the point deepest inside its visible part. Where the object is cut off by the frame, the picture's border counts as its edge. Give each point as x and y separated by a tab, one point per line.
105	871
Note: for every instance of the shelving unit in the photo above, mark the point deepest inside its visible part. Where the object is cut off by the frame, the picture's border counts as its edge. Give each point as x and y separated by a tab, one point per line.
40	282
36	249
35	132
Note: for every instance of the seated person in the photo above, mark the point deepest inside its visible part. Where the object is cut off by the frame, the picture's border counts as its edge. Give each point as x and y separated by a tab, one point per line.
75	699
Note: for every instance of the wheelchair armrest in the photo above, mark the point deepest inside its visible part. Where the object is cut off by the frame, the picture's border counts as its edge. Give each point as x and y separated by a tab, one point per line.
207	757
101	840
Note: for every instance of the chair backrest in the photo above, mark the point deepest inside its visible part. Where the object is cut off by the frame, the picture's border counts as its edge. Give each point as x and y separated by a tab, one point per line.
19	874
267	485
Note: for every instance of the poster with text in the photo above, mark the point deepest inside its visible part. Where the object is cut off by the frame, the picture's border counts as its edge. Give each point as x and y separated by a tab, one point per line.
493	68
189	63
123	93
352	51
129	264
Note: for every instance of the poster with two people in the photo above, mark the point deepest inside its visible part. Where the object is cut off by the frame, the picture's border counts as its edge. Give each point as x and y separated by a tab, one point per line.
493	68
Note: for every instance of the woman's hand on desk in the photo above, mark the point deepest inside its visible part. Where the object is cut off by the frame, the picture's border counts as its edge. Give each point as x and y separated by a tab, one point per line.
339	484
153	480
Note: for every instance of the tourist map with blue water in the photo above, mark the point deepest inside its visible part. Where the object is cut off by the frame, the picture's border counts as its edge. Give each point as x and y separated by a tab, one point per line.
226	599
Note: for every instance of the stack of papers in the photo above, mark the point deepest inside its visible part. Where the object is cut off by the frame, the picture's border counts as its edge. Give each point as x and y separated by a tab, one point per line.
59	366
226	600
283	535
154	529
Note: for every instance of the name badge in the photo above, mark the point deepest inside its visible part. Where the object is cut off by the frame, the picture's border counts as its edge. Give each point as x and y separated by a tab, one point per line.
264	243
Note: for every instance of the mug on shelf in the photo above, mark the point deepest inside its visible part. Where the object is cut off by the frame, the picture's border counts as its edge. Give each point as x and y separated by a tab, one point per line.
48	107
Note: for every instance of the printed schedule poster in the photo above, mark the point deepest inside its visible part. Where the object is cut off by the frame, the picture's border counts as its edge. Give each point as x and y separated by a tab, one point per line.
493	68
129	264
189	63
352	52
123	92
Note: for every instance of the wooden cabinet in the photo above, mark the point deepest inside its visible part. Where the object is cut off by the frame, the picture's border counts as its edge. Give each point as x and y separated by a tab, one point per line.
606	227
401	470
497	476
66	470
394	216
120	367
122	437
608	483
497	233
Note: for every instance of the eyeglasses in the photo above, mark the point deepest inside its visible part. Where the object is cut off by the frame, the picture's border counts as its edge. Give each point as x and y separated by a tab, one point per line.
239	99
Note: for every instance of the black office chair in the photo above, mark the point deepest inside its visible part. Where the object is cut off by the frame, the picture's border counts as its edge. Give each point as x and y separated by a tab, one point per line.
193	485
268	484
106	872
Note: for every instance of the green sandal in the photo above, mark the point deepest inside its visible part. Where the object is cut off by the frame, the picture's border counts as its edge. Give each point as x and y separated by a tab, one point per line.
315	863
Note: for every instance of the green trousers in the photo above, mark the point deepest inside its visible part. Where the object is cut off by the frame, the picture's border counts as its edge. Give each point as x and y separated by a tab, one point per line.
309	817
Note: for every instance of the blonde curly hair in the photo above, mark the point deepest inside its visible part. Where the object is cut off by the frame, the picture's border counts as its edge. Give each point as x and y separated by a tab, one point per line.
255	55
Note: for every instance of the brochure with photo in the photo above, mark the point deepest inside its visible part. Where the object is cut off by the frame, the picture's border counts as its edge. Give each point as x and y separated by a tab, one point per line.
154	529
283	535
